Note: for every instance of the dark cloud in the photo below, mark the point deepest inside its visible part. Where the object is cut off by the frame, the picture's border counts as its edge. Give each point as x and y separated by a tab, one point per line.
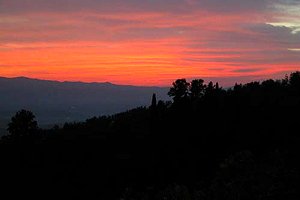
247	70
21	6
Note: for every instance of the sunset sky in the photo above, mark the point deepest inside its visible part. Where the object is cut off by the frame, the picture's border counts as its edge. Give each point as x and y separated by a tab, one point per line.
149	42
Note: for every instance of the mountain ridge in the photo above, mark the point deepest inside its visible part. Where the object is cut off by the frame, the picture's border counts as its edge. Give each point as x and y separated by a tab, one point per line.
58	102
78	82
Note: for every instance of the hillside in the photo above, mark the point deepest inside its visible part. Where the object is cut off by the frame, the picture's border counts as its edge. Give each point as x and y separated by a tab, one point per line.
208	143
59	102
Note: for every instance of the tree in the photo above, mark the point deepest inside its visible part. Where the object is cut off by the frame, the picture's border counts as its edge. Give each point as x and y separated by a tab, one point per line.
209	90
217	86
153	102
22	124
237	87
197	88
179	89
295	80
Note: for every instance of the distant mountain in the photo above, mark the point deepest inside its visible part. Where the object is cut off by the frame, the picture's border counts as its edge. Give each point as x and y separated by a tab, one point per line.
57	102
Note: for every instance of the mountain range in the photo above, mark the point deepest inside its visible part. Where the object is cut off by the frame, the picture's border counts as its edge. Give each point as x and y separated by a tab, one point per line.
56	102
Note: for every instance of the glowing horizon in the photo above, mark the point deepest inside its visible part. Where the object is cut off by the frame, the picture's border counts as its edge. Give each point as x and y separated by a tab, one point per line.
151	42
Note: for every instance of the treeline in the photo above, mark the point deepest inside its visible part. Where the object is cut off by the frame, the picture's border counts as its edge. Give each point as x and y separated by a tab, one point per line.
208	143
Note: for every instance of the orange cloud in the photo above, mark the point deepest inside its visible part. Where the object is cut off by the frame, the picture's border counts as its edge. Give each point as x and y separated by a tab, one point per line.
144	47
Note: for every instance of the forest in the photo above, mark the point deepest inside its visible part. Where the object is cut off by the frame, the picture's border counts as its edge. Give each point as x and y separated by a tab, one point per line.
208	143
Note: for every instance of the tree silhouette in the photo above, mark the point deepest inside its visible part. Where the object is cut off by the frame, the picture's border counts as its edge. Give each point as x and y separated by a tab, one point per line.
22	124
210	143
217	86
153	102
295	80
197	88
210	89
179	89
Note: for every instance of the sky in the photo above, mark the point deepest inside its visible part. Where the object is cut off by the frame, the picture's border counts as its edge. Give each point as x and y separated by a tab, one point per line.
149	42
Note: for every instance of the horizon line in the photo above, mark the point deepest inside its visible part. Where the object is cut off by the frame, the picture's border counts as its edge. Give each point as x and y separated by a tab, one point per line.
82	82
206	79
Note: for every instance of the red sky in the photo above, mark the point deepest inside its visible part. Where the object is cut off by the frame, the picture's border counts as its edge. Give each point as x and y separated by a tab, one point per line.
150	42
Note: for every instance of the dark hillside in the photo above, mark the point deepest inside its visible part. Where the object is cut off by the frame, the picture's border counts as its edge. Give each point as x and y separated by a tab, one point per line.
208	143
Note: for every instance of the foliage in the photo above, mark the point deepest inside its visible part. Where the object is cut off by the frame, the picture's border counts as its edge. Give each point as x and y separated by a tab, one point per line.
208	144
23	124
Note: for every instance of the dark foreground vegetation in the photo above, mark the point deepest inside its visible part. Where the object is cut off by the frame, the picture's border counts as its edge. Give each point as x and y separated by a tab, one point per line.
207	144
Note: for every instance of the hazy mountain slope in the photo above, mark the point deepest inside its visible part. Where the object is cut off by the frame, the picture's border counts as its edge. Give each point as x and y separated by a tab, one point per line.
57	102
